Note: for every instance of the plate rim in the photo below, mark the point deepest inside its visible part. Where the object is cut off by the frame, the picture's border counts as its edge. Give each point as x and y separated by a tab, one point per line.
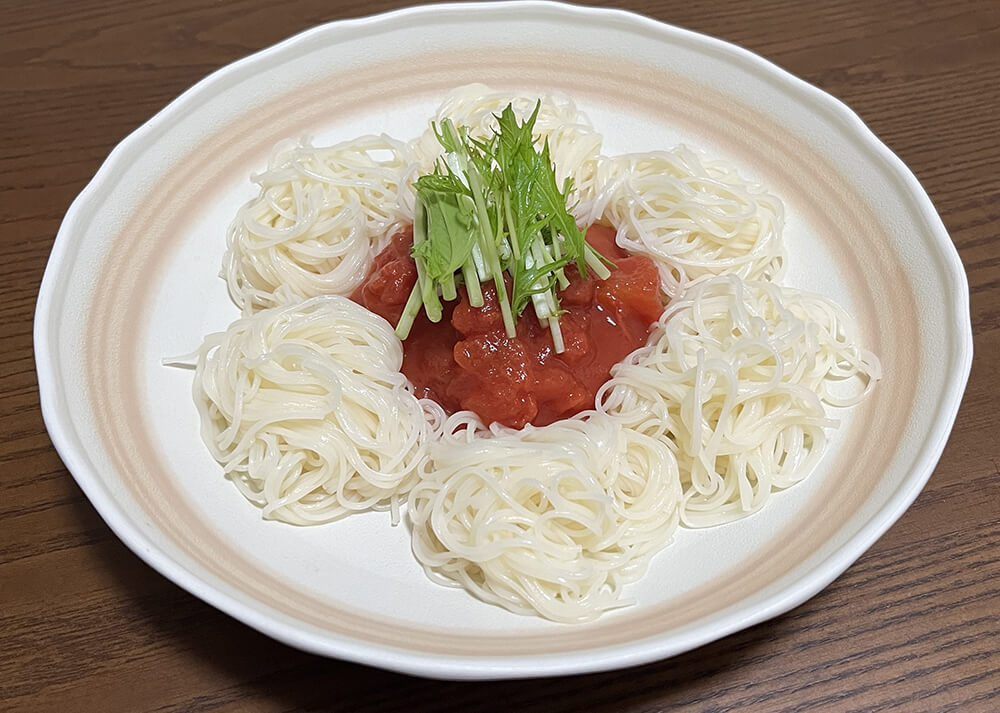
65	439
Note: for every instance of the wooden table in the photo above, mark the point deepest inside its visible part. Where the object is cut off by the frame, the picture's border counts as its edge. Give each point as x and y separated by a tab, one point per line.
86	626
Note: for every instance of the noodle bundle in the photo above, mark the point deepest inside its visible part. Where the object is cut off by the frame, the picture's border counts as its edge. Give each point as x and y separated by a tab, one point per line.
551	520
696	218
320	218
734	378
306	409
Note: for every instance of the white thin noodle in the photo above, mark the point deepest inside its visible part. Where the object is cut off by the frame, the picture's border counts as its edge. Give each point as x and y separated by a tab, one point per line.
734	379
306	409
695	217
320	218
551	520
574	144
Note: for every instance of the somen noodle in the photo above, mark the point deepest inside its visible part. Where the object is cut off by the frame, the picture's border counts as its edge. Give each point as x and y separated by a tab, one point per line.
303	403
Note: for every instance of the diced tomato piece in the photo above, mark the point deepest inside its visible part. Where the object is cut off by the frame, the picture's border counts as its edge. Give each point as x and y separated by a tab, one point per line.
390	280
470	321
496	381
635	285
467	361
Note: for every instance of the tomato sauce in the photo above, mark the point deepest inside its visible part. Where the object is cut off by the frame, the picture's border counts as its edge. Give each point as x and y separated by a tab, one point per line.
466	361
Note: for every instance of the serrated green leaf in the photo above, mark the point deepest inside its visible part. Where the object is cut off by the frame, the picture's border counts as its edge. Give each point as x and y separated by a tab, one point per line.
499	192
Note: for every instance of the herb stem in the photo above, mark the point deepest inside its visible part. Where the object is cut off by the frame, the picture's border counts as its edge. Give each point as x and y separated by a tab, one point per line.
596	263
410	312
560	272
428	290
496	272
472	286
448	290
515	244
557	337
479	262
488	246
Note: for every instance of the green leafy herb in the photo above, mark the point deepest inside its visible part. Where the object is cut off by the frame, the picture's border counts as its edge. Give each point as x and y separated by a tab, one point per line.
492	209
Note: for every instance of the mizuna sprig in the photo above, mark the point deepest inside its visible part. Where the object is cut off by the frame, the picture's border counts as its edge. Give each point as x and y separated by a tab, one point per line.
492	210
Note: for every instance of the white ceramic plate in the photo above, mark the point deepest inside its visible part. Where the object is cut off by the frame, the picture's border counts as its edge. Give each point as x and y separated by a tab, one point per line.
133	277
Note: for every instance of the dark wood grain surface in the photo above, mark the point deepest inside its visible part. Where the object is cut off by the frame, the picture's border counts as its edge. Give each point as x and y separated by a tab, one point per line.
86	626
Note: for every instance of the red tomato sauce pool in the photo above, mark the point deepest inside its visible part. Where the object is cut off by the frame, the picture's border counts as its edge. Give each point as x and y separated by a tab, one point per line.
467	361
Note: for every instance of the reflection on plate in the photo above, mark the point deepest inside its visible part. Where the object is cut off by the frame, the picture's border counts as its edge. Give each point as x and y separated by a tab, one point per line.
133	277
